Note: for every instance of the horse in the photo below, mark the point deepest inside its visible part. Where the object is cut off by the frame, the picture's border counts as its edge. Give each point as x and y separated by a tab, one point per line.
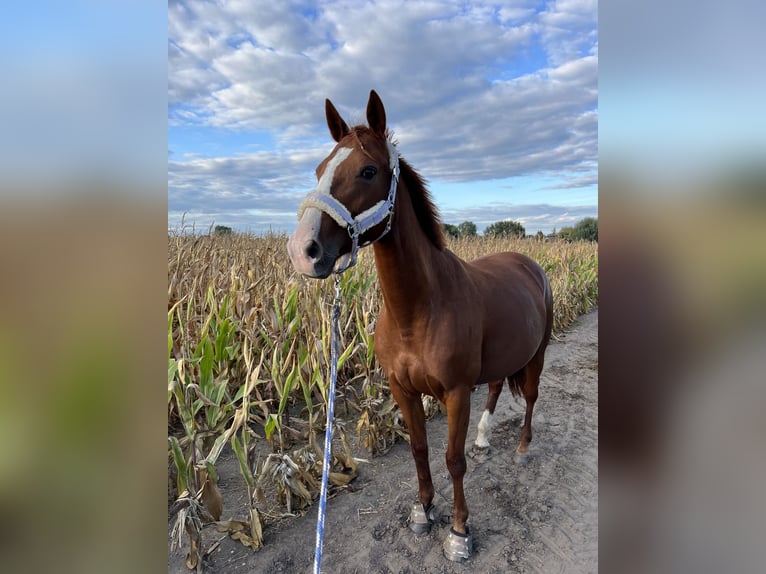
446	325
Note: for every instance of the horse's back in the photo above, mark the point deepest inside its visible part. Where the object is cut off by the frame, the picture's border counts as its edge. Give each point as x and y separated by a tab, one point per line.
509	271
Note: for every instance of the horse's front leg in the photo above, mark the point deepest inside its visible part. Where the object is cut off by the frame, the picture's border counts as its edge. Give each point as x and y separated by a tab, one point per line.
459	545
411	405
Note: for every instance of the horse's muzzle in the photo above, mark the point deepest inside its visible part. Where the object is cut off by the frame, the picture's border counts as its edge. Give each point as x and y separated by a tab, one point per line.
308	257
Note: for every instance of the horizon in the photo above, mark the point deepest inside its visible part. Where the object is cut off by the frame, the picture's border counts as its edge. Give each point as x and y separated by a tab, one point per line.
211	229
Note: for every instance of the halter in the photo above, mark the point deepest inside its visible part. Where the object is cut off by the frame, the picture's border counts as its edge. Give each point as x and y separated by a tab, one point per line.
369	218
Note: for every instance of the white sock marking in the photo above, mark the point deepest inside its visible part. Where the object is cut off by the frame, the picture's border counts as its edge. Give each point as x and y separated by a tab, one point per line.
485	425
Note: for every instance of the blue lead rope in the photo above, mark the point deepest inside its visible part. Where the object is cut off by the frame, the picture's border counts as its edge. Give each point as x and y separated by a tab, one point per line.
334	336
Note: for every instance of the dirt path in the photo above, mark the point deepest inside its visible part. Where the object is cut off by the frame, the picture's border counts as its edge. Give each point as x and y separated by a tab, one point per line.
541	516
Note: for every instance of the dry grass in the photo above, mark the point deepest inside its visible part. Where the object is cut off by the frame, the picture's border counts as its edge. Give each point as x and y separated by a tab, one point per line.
248	352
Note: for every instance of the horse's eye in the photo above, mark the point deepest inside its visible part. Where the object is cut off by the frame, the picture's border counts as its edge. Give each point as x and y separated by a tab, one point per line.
368	172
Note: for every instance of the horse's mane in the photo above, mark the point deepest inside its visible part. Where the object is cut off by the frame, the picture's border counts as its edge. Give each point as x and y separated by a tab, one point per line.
425	209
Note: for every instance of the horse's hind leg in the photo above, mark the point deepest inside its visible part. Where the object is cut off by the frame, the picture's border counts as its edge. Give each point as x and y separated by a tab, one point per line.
531	381
485	424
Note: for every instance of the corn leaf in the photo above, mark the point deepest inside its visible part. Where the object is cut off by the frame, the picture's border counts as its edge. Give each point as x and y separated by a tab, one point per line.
241	455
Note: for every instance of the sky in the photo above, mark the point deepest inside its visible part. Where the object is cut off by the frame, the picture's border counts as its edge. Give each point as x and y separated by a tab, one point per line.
494	103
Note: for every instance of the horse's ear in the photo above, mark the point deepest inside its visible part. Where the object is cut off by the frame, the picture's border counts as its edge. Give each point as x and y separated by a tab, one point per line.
338	128
376	114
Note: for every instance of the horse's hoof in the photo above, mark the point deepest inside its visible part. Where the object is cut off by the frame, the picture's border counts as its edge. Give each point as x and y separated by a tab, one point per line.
458	547
421	519
522	458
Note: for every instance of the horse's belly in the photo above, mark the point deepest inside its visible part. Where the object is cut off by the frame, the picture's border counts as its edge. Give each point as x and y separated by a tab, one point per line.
498	372
504	356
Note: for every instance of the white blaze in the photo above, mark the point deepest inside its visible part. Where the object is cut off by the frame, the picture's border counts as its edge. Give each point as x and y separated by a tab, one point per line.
325	182
485	425
312	216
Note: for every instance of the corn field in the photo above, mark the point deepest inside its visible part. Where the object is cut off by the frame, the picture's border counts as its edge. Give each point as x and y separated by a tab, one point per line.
248	359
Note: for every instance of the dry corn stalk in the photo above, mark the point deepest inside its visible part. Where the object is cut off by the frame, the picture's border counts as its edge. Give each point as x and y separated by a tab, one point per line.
248	354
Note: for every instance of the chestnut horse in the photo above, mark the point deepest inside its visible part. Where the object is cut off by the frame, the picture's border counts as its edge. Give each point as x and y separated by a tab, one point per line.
446	325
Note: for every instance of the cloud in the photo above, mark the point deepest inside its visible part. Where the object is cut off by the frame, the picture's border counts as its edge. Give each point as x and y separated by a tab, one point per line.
256	180
568	29
536	122
576	182
262	65
473	92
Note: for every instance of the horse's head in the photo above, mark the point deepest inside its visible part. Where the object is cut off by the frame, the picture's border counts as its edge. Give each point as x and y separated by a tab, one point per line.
353	202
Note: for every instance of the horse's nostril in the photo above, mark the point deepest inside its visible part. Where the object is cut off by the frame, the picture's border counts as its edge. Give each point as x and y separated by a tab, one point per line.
313	251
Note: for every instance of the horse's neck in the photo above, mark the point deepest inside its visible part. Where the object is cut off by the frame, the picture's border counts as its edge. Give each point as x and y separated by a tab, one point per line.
405	260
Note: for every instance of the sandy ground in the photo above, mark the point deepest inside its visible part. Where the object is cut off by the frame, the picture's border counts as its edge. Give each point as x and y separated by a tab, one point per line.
541	516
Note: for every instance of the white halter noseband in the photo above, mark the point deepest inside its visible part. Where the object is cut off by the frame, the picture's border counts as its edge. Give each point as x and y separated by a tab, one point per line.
366	220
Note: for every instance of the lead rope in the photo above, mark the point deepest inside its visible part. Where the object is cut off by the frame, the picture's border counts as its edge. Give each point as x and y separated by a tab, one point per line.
334	342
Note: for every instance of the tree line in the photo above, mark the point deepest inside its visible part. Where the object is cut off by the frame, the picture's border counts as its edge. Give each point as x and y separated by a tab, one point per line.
584	230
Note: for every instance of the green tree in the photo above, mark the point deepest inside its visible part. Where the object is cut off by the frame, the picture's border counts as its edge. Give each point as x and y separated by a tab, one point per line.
540	236
451	230
222	230
586	229
504	229
467	229
566	233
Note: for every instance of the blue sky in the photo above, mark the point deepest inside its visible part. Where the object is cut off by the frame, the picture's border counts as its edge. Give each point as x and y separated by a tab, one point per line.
494	103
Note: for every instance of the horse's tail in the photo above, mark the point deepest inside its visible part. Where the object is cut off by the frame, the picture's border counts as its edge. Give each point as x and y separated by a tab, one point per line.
516	383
